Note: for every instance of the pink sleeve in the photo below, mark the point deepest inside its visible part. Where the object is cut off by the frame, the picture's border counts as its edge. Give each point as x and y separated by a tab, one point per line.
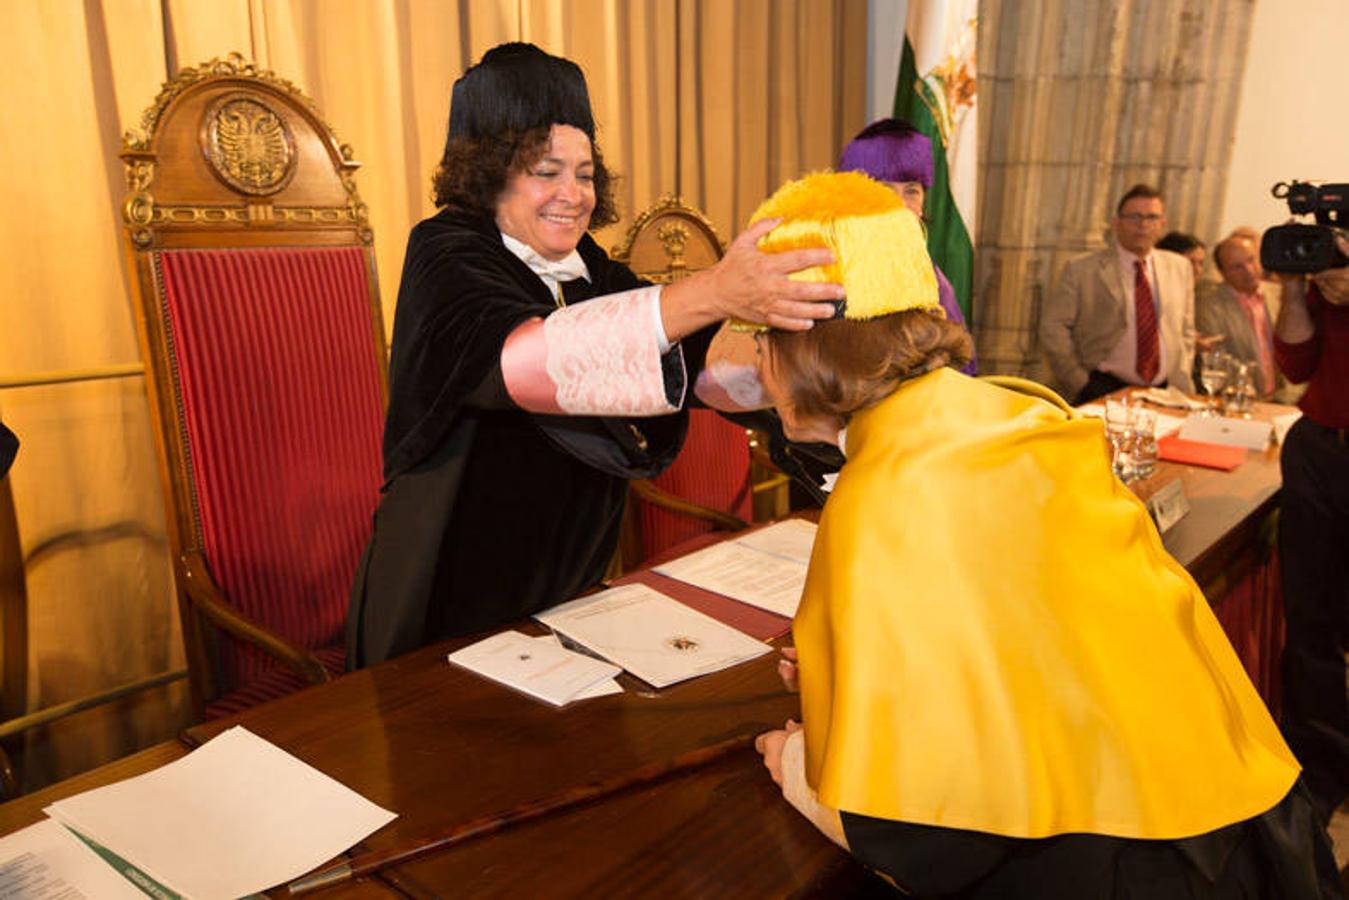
601	357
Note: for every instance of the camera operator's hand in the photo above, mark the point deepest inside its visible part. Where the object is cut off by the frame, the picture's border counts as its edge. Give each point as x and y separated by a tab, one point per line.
1334	283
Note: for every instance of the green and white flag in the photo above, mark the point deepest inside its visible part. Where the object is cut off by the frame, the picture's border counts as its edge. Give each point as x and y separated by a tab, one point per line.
936	94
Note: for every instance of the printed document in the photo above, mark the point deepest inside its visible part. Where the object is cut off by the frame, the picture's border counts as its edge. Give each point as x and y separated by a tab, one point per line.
234	817
655	637
47	862
543	670
765	568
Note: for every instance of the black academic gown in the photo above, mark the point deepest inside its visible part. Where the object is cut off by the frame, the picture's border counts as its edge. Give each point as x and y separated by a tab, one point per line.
1282	853
489	513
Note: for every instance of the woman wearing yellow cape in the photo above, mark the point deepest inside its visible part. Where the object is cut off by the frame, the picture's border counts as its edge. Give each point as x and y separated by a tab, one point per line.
1008	687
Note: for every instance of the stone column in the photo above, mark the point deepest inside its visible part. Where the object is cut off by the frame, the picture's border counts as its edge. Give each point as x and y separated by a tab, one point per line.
1078	101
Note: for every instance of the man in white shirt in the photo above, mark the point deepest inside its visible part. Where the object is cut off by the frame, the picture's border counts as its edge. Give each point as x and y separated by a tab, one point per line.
1123	315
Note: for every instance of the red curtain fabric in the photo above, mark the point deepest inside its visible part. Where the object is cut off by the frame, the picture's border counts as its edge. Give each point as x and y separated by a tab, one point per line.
712	469
1252	615
279	385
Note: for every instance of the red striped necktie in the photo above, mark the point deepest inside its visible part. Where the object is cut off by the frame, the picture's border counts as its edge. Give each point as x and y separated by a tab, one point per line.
1148	353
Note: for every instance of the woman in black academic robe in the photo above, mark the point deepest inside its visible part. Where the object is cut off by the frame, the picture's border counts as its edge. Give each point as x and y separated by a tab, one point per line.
502	499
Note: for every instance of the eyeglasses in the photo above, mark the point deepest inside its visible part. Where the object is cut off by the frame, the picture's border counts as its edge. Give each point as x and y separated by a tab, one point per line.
1136	218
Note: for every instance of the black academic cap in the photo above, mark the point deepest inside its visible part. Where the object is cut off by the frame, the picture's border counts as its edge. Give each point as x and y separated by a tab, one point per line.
516	87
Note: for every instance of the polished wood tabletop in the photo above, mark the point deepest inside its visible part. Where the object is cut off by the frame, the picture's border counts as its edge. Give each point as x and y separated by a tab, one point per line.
441	746
1227	510
26	810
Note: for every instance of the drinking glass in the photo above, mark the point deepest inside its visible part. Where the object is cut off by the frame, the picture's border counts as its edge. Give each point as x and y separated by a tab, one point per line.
1141	442
1240	394
1213	375
1117	419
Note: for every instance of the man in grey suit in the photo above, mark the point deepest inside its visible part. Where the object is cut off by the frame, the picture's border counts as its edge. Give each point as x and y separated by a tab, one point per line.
1242	310
1123	315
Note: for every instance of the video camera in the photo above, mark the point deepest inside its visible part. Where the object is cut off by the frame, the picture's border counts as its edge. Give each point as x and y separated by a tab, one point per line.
1307	248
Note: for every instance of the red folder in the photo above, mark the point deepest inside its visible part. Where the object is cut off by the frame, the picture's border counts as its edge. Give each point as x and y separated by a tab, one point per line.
1199	453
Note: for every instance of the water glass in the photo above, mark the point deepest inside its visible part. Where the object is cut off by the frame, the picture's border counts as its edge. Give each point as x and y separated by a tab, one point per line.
1118	415
1239	396
1141	442
1213	365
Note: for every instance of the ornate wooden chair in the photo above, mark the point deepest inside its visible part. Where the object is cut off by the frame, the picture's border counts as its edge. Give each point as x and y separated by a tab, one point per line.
260	324
710	484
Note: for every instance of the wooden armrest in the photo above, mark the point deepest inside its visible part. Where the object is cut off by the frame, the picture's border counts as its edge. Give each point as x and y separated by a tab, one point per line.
205	595
655	496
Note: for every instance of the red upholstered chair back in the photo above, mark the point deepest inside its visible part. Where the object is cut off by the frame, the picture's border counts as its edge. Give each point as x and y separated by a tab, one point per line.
264	342
666	242
713	470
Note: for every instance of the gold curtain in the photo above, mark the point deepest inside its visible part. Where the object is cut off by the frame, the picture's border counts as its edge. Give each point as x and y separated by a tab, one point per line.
1077	103
720	101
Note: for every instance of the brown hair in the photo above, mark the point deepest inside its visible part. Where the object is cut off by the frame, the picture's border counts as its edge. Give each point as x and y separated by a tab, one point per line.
843	366
473	173
1145	191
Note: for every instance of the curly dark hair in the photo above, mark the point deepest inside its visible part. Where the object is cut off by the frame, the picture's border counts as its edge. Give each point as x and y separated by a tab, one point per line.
474	171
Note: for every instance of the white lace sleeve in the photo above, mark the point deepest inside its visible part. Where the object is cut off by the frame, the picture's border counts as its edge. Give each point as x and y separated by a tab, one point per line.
802	796
600	357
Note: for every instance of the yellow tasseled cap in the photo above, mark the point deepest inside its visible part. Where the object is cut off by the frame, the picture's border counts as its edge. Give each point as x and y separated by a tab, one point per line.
880	249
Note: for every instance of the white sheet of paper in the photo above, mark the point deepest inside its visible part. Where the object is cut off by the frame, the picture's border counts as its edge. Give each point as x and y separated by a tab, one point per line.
600	689
743	573
766	568
46	862
790	539
1283	423
546	671
236	816
1167	424
1246	433
656	638
1171	396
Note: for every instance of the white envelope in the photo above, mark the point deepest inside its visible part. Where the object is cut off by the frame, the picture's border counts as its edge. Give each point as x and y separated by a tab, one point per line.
1246	433
547	671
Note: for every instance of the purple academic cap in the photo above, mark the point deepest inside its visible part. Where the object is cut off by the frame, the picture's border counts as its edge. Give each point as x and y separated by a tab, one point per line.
890	150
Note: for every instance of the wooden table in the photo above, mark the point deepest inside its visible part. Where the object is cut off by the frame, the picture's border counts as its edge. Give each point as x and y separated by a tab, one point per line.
1215	541
441	746
26	810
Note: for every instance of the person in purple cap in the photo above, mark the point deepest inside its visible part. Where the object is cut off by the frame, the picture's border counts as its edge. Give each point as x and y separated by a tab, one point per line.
893	151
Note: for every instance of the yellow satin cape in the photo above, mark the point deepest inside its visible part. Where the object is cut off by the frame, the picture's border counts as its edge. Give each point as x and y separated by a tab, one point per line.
993	638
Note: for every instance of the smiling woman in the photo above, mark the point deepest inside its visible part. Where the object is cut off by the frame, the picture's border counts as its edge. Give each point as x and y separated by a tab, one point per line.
548	205
530	375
